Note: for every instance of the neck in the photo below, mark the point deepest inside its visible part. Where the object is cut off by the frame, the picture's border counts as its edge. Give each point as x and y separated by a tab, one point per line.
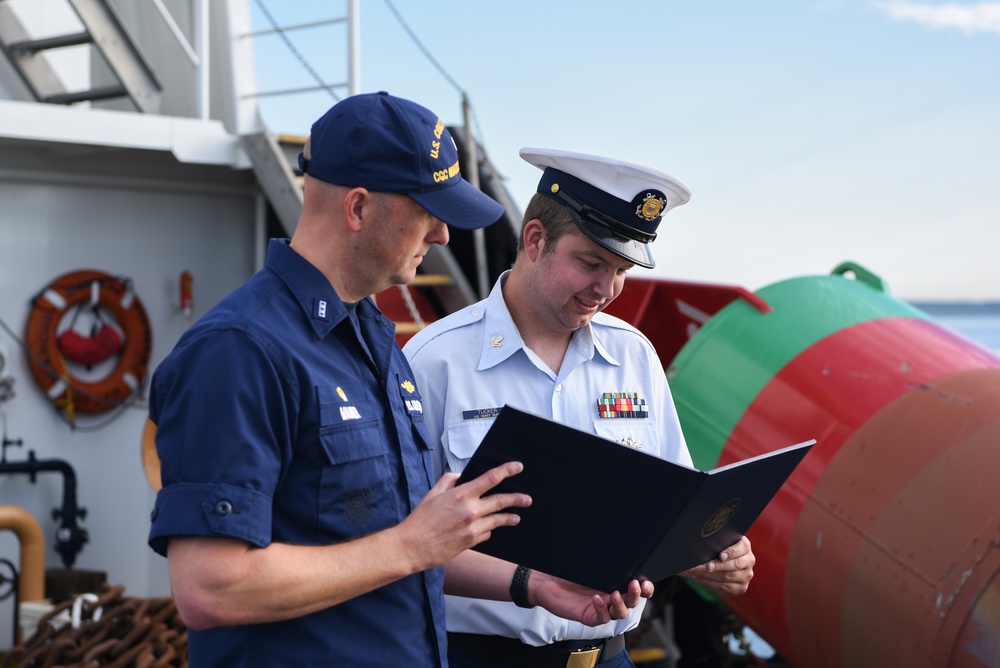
532	322
350	286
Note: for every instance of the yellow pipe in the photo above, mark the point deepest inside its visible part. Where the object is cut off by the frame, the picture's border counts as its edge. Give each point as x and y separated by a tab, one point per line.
150	457
430	279
29	534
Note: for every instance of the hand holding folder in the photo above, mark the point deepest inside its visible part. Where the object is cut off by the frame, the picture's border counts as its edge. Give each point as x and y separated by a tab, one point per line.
657	518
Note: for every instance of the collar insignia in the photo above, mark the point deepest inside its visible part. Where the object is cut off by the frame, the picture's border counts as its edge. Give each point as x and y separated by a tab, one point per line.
408	386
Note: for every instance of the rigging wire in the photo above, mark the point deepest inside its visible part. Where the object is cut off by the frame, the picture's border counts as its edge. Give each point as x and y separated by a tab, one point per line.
406	28
420	45
295	52
424	49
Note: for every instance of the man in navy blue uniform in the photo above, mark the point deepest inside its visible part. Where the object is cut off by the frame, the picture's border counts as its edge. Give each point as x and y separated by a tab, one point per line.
299	512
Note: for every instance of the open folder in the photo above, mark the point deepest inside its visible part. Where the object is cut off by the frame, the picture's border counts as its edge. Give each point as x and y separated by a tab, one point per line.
603	514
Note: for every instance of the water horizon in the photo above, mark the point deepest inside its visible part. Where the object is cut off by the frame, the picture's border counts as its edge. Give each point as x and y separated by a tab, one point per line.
979	321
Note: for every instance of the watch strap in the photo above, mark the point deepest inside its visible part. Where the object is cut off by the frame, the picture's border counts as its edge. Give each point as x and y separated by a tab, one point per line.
519	587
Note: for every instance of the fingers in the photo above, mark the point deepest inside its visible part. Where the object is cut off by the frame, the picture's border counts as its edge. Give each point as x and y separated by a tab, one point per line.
495	503
617	608
490	509
493	477
729	575
493	520
736	557
636	590
724	587
444	483
602	611
477	487
736	550
633	594
454	517
722	570
616	605
512	500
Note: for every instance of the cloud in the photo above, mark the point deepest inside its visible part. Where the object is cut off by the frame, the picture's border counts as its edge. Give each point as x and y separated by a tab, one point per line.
977	18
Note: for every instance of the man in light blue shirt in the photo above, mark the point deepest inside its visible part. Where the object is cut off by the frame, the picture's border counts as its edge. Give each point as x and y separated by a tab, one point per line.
540	343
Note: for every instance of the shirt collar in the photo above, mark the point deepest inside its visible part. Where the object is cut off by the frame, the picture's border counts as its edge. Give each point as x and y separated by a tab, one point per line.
587	343
318	300
501	339
500	336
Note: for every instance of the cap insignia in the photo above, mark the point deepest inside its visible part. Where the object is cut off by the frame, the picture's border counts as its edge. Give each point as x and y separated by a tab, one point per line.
651	206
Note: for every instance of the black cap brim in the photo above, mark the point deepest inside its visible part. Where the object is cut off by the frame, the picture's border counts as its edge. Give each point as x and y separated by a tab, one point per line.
635	252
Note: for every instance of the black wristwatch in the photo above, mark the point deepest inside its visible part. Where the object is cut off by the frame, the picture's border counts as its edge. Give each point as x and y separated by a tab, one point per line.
519	587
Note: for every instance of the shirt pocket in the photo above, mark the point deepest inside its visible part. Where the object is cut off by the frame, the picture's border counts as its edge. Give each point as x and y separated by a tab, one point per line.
341	419
639	434
357	494
463	439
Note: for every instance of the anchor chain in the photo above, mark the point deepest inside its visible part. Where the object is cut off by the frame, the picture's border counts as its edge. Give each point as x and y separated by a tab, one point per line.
107	629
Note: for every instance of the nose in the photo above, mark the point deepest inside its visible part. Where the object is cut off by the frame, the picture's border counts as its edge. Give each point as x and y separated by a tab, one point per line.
438	234
608	284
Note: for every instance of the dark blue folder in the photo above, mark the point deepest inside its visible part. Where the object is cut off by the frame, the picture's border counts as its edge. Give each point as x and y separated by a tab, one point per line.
603	514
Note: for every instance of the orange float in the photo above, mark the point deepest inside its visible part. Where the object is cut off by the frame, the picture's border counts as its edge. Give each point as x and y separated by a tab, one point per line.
55	349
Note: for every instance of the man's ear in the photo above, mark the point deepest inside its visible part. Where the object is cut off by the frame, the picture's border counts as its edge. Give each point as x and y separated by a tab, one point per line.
358	203
534	238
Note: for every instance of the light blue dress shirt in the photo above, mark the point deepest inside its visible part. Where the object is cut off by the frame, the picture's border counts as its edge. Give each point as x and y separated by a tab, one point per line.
471	363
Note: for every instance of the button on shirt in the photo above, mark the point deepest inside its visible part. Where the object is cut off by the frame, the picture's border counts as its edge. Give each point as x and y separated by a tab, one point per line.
275	424
473	362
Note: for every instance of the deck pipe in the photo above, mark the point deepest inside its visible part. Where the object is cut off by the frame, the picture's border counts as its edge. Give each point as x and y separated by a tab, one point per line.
70	537
31	582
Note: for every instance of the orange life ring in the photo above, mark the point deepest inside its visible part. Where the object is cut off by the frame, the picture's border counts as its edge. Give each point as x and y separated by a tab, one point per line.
48	365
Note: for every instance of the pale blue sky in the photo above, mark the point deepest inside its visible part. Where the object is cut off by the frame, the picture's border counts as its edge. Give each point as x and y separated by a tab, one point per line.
810	132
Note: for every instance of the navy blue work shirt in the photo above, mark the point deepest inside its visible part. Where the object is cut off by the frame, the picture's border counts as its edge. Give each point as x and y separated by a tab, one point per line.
274	424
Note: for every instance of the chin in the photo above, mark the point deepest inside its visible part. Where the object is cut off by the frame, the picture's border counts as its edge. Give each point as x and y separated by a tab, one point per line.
579	322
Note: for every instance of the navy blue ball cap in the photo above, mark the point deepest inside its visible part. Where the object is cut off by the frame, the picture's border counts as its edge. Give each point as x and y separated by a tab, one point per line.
616	204
390	144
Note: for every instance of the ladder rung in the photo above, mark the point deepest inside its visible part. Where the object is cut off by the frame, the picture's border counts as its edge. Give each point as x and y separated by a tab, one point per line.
407	328
104	93
430	279
36	45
